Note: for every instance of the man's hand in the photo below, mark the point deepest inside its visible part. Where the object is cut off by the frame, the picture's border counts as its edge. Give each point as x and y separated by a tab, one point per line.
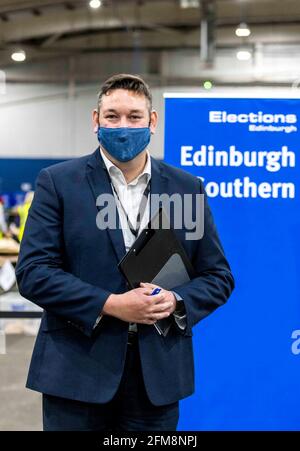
168	295
137	306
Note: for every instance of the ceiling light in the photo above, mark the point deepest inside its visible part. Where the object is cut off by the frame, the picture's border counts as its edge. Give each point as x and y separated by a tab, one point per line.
189	4
18	56
244	55
95	4
243	31
207	85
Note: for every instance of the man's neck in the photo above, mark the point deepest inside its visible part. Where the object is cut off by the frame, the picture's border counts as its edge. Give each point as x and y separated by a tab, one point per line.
130	169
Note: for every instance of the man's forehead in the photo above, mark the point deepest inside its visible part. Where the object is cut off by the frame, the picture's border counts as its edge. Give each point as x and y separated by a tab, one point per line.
122	97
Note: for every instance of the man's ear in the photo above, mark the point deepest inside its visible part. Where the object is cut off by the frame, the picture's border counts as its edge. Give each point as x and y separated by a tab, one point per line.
153	121
95	118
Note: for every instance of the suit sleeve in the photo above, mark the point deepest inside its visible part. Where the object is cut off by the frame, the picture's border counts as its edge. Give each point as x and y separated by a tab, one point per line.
39	271
214	282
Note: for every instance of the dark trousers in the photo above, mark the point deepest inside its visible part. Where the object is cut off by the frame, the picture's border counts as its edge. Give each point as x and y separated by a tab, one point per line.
129	410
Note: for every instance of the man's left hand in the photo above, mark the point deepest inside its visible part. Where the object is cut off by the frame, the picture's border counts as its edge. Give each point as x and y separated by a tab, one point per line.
167	295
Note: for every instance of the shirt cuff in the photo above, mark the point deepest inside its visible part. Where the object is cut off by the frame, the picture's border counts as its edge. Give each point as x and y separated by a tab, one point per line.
98	321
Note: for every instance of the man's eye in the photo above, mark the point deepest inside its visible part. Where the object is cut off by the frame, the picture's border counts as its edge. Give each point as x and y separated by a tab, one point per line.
111	116
135	117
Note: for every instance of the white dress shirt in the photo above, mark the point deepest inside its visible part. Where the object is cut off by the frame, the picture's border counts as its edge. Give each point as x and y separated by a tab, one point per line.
130	196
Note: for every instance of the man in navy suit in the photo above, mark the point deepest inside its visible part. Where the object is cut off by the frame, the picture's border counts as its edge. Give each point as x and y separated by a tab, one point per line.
98	360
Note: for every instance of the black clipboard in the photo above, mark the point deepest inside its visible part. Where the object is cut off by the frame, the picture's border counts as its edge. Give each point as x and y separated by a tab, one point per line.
157	256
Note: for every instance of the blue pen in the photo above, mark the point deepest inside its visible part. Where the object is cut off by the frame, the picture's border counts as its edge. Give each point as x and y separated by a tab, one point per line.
156	291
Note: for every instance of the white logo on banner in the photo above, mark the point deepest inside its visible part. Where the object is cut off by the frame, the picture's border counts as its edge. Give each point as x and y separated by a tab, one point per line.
258	122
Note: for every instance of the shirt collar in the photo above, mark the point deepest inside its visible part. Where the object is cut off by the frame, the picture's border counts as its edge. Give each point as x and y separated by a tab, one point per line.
115	172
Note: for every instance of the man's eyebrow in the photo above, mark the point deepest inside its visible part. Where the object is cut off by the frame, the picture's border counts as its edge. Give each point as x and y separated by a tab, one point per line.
112	110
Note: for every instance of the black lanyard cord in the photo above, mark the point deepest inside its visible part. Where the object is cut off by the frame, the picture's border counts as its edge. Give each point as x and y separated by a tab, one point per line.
141	212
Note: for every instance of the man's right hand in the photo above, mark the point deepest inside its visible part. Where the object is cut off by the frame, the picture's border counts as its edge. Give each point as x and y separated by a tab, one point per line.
137	306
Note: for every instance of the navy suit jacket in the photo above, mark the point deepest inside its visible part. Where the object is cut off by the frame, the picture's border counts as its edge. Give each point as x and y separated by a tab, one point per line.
69	268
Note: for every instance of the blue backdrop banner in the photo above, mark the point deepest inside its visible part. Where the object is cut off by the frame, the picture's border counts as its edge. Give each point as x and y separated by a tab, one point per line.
18	175
247	353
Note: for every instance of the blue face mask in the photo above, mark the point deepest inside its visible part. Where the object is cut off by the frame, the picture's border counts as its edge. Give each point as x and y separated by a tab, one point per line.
124	143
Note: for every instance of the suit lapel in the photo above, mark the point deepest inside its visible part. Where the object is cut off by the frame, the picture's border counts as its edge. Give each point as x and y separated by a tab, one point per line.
159	183
99	183
162	184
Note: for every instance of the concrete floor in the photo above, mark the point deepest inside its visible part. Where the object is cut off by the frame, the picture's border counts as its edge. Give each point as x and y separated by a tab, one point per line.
20	408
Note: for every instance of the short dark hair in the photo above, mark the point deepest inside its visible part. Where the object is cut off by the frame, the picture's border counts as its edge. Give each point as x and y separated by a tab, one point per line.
129	82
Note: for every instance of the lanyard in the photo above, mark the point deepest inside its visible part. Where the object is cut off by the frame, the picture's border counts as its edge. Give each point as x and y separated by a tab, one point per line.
141	211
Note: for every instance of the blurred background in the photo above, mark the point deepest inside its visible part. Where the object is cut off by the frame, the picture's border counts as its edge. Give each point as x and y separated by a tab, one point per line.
54	56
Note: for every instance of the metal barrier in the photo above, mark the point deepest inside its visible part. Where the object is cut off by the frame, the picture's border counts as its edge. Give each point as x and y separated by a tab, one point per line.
20	315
